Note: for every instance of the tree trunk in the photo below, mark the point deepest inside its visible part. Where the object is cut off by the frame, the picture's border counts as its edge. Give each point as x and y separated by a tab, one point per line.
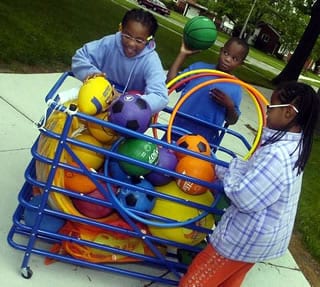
295	64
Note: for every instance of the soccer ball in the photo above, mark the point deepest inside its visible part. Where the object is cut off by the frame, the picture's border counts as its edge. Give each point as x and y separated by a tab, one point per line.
132	112
194	142
131	198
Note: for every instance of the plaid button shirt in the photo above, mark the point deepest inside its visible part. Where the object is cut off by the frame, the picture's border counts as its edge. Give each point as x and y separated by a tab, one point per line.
264	192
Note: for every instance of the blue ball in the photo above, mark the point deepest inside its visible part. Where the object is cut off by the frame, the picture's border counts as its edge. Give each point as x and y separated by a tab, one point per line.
131	198
48	222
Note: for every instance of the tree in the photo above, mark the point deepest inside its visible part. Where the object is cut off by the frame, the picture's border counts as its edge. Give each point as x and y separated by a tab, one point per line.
303	50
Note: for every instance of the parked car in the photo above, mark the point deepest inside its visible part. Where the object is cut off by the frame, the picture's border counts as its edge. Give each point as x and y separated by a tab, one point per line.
156	6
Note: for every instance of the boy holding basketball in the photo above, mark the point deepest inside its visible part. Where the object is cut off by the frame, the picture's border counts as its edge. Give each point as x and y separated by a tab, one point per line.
217	103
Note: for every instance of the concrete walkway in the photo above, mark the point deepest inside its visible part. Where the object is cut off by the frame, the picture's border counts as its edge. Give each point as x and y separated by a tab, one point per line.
21	104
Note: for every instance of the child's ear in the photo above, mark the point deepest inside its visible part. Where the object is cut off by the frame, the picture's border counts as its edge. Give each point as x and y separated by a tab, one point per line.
120	27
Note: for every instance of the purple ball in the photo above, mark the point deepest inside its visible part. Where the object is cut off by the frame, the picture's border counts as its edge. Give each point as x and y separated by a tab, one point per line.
132	112
167	160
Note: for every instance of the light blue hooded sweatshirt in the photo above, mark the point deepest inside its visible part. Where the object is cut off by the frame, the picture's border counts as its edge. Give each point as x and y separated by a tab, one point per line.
143	73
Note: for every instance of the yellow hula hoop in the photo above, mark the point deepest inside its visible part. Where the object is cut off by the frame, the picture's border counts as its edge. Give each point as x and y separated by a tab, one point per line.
255	95
220	74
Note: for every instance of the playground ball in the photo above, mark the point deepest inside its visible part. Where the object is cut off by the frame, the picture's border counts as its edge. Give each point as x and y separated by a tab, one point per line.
181	212
113	169
132	112
95	96
167	160
89	158
140	150
48	222
139	200
78	182
199	33
197	168
101	133
196	143
90	209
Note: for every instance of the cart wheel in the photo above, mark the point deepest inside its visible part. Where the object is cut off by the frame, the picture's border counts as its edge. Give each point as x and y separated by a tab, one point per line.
26	272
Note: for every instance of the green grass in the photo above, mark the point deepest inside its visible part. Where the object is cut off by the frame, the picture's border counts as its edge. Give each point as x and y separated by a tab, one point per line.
46	34
308	217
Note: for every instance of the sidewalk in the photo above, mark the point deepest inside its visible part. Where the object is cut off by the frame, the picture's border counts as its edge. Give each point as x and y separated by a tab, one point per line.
21	104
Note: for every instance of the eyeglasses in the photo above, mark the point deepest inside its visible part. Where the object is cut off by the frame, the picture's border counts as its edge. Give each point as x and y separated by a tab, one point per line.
283	106
137	40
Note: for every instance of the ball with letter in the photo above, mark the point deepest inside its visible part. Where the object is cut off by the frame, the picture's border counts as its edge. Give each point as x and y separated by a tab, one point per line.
196	168
199	33
139	150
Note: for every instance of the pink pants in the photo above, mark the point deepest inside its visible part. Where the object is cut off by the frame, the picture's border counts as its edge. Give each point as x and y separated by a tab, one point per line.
209	269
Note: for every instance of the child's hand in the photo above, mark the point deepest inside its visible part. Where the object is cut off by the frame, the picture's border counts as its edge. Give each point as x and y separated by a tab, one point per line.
94	76
185	50
221	98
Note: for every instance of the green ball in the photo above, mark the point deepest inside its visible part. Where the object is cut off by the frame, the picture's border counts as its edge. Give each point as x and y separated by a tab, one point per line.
199	33
140	150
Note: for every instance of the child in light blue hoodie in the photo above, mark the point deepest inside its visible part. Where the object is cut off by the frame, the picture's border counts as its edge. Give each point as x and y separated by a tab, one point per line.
127	59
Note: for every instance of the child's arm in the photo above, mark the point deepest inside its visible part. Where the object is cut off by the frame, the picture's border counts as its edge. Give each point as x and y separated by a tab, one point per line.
224	100
178	62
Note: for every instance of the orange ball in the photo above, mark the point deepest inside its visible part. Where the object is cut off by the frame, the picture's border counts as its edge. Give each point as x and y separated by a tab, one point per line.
197	168
78	182
196	143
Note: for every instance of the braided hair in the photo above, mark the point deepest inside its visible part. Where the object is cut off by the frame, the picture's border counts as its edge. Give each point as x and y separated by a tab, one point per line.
306	100
141	16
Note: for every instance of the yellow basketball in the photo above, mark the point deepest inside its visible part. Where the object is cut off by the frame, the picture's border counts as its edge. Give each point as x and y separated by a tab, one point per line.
180	212
89	158
101	133
95	96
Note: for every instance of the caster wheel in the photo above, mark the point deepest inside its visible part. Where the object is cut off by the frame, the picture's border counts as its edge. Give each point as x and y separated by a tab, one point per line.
26	272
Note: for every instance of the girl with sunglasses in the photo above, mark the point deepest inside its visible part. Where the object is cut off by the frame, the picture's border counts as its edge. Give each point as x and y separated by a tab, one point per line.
264	193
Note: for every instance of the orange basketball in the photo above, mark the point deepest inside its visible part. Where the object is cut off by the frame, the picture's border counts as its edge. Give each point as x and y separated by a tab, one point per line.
197	168
196	143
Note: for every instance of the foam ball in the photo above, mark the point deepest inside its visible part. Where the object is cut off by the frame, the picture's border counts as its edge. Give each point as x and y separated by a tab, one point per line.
167	160
199	33
48	222
197	168
88	157
132	112
101	133
194	142
140	150
181	212
131	198
78	182
94	96
91	209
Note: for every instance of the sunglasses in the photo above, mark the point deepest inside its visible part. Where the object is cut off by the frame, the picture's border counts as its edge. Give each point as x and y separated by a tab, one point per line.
137	40
283	106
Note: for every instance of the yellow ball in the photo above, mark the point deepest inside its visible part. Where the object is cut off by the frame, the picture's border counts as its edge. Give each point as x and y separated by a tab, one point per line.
88	157
95	96
180	212
101	133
